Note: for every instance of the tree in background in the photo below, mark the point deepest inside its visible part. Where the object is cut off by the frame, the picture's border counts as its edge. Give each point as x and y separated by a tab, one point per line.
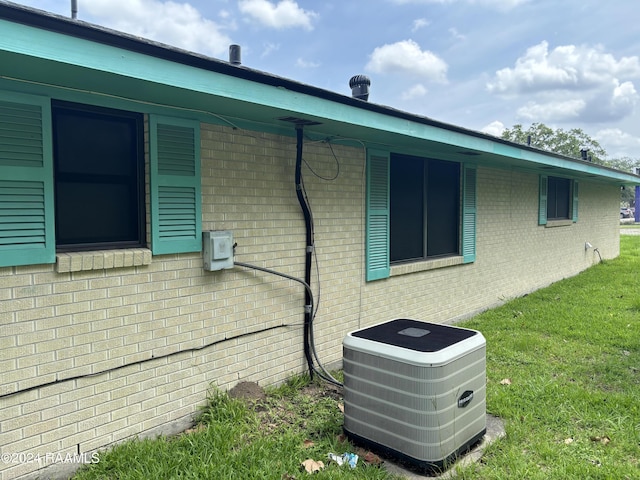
625	164
570	143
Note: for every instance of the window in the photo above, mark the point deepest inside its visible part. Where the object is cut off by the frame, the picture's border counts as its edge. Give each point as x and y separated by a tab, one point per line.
558	199
417	209
91	196
98	158
424	208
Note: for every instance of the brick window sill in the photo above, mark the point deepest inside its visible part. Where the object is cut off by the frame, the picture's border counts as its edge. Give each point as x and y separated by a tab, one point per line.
558	223
406	268
102	259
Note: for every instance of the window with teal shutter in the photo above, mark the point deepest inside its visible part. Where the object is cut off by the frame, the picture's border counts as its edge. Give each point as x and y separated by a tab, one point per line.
469	213
26	181
542	201
98	161
176	202
574	202
557	200
388	221
377	235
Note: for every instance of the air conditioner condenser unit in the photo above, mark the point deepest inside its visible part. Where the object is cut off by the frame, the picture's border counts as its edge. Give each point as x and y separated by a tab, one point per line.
415	391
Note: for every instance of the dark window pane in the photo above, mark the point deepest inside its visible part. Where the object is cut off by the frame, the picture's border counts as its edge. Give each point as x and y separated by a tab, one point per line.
558	198
97	146
443	199
86	212
424	208
98	161
406	206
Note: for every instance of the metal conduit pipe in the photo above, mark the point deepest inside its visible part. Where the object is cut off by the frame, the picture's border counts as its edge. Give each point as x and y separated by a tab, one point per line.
308	313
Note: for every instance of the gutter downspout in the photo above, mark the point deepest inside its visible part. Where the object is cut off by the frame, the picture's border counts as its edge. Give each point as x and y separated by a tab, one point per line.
308	249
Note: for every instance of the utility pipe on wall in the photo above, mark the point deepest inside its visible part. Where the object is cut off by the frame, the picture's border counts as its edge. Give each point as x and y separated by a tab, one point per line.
308	314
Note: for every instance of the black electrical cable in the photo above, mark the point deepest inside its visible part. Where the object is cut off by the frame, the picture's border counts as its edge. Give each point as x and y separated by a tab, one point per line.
328	179
311	307
144	360
280	274
308	247
598	252
321	371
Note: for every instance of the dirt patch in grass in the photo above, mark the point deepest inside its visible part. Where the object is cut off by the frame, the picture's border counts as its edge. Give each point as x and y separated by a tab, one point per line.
285	408
251	392
324	390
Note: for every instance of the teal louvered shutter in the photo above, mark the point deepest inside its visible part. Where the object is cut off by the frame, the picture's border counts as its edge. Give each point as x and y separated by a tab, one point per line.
542	200
27	234
176	193
469	213
574	201
377	234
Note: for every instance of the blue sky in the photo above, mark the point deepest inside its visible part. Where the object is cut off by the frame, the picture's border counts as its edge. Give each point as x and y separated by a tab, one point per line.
479	64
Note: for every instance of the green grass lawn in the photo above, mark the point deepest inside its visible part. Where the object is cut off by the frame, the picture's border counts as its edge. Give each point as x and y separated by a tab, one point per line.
572	354
571	407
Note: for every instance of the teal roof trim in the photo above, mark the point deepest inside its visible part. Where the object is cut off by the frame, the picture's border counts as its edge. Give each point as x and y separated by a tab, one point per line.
54	50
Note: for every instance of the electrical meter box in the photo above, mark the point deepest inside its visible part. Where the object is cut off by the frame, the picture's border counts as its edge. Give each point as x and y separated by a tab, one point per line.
415	390
218	250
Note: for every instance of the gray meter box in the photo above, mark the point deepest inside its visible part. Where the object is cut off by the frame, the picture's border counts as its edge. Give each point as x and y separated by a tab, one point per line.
218	250
415	390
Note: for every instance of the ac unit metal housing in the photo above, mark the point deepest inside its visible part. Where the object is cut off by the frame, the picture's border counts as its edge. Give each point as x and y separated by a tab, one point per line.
415	391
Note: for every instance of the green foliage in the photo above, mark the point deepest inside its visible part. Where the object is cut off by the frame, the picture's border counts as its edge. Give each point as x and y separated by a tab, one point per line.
567	143
626	164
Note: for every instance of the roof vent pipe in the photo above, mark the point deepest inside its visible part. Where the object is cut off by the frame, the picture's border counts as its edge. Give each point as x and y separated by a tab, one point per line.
360	87
74	9
584	151
235	54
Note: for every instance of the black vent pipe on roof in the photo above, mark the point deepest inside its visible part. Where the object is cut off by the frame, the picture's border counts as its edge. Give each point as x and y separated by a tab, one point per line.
360	87
235	54
74	9
584	152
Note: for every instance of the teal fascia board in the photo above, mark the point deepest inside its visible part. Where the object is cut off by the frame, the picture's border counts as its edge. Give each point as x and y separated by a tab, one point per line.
371	121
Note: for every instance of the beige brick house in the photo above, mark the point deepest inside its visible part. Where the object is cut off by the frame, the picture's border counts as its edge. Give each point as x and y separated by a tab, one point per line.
116	154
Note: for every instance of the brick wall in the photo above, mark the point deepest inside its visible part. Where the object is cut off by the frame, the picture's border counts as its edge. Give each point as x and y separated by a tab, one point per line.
118	321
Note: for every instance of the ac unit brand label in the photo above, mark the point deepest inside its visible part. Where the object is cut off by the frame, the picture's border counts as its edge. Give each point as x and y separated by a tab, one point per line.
465	399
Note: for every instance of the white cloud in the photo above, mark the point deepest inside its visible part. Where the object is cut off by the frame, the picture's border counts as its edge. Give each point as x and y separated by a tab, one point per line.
177	24
420	23
502	5
552	111
406	2
570	83
408	58
495	128
268	48
306	63
416	91
616	137
614	102
565	67
284	14
456	35
624	96
618	143
611	102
